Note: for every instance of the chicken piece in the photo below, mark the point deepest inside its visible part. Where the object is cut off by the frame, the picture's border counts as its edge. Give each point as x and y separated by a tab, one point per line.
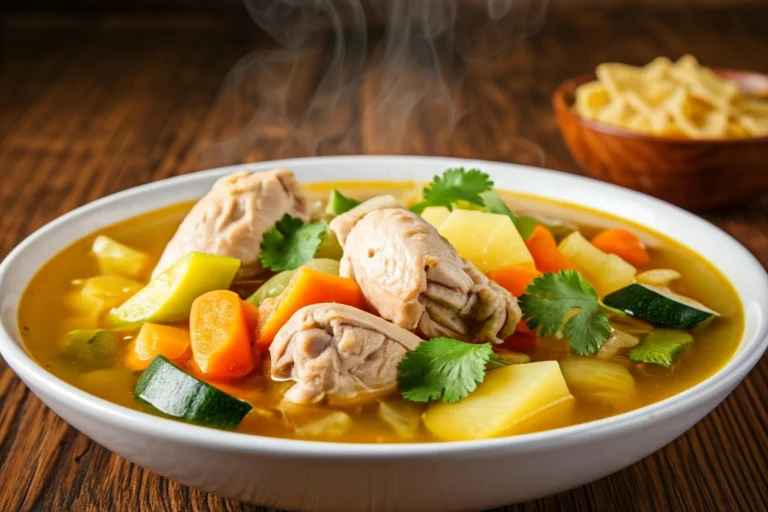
337	351
231	219
342	224
413	277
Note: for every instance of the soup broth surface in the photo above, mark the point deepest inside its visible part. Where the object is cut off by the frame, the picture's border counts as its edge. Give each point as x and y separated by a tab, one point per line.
46	316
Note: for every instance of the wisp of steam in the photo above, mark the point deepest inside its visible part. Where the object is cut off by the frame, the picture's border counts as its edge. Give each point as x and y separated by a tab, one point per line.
351	76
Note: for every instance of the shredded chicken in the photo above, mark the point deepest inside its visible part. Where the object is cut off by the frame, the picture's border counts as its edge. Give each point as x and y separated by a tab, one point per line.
337	351
416	279
231	219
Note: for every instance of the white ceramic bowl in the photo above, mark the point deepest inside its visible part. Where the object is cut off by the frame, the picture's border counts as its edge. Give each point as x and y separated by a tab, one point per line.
440	476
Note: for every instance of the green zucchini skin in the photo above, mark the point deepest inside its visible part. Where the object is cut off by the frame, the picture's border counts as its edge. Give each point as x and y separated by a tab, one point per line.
92	349
339	203
172	391
653	307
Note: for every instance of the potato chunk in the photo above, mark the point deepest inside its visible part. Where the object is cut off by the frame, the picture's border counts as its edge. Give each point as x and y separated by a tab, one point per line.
606	272
488	240
115	258
506	398
435	215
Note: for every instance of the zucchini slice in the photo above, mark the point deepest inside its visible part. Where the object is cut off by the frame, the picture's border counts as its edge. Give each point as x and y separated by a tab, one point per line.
659	306
662	347
91	349
338	203
174	392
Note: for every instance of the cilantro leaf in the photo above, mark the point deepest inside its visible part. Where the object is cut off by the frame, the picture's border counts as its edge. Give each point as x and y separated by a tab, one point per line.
290	243
566	300
455	185
444	369
661	347
495	204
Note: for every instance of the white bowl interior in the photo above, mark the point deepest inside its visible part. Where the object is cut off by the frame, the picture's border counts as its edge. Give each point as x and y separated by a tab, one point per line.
734	261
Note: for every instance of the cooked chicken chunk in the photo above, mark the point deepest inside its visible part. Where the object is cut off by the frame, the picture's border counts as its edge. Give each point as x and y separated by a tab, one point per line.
342	224
416	279
337	351
231	219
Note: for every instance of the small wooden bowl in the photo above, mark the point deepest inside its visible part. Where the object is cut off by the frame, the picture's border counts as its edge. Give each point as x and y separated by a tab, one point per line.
694	174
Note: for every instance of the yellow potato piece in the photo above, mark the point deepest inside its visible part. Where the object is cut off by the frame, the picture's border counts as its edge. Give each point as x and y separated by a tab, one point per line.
597	379
169	296
508	397
435	215
115	289
488	240
115	258
606	272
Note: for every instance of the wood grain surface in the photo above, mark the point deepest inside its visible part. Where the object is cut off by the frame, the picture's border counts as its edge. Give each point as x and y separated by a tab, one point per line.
90	106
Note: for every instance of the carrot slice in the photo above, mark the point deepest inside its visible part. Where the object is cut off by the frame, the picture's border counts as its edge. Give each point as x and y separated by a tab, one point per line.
306	287
221	343
542	246
251	312
514	278
623	244
155	339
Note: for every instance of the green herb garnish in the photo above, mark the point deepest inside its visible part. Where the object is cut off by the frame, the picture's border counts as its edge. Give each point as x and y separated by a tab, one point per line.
495	204
566	301
455	185
444	369
661	347
290	243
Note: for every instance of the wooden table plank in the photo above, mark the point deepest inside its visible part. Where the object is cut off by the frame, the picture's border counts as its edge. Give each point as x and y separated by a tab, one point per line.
97	106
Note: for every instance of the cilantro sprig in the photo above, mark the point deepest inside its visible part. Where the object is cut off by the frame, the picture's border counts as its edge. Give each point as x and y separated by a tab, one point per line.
444	369
455	185
290	243
473	190
567	301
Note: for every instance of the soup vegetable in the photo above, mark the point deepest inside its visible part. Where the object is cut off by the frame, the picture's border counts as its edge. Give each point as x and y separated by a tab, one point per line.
379	312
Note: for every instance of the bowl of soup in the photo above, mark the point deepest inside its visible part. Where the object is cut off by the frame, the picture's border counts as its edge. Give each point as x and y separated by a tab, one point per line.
408	333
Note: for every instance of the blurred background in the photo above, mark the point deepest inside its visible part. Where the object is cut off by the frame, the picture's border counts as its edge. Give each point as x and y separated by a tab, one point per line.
128	90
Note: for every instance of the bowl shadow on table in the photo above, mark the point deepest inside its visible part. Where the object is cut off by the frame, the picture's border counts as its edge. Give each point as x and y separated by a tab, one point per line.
702	175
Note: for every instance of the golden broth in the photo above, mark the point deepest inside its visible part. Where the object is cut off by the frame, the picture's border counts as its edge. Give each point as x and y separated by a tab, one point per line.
45	318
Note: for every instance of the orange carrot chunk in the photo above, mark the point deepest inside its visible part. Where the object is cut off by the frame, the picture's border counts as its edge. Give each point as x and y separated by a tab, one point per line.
546	256
251	312
221	343
514	278
623	244
306	287
154	340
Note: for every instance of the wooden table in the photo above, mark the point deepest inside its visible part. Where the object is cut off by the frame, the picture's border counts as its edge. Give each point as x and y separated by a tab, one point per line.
95	105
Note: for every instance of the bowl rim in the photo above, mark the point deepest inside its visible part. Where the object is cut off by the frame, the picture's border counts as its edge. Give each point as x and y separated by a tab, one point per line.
35	376
562	107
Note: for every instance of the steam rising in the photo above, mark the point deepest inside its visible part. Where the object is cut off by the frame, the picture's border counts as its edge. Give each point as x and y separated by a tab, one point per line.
361	75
